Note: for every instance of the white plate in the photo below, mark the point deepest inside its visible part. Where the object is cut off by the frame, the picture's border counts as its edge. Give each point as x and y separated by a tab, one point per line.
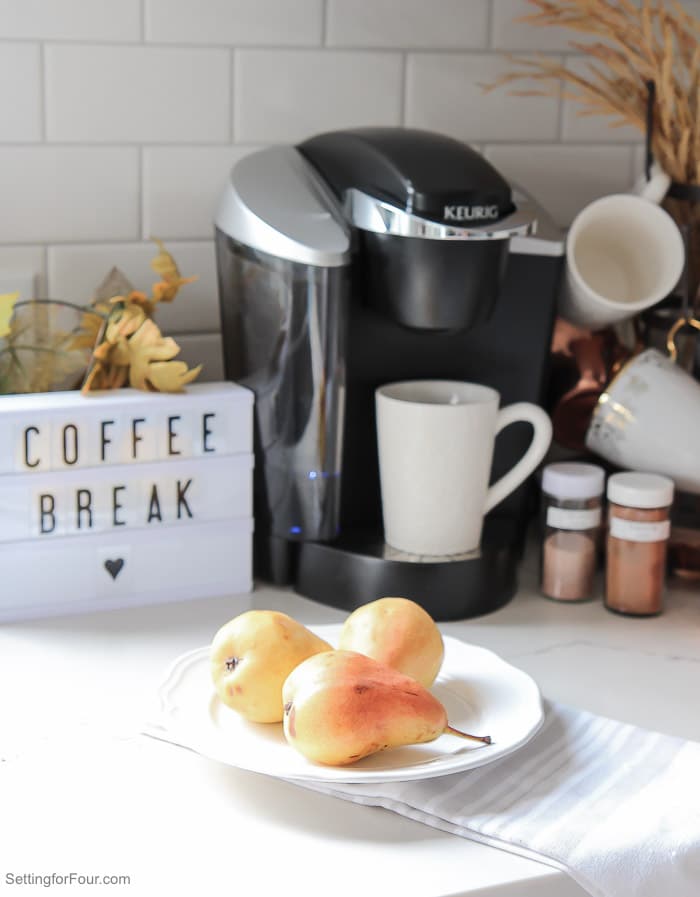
483	695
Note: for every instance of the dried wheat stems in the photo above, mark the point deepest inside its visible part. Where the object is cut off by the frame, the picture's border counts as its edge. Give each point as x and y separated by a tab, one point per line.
633	43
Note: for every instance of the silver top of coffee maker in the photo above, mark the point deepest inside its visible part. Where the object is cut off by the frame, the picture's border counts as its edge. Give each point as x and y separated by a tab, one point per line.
276	202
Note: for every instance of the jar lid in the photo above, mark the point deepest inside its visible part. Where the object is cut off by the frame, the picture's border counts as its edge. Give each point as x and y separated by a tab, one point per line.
572	479
640	490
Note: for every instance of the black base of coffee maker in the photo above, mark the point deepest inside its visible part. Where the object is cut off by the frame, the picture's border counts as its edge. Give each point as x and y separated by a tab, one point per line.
358	568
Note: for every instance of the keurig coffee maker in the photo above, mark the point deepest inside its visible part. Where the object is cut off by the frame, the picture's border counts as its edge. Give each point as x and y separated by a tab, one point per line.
359	258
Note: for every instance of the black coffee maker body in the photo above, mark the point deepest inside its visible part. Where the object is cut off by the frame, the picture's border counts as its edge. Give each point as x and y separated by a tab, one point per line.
356	259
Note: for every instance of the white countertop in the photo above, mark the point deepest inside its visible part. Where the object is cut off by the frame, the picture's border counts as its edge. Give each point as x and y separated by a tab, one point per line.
72	800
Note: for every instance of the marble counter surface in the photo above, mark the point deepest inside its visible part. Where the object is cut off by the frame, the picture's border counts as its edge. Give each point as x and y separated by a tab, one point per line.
81	791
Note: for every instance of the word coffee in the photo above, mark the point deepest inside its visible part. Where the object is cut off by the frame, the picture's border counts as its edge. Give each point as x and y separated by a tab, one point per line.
67	430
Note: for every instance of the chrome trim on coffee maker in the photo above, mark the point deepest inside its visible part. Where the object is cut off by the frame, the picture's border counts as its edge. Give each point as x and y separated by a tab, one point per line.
373	214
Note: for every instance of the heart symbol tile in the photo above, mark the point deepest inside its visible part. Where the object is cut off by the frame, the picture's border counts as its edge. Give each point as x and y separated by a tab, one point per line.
114	567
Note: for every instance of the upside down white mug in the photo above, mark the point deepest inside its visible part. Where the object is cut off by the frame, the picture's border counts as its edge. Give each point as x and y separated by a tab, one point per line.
435	440
648	419
623	255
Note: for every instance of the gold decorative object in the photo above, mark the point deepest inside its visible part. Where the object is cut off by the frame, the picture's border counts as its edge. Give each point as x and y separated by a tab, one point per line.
129	346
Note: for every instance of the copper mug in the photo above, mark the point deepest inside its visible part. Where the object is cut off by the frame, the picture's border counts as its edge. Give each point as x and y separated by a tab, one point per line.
582	363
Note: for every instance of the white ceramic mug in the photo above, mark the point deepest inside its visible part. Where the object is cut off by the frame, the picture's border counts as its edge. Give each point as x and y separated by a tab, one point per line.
435	440
623	255
648	419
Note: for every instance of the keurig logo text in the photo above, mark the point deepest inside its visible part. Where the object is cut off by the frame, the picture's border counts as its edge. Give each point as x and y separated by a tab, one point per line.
470	213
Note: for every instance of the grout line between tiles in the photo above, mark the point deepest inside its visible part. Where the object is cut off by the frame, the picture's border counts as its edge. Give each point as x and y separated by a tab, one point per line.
111	241
489	24
44	287
403	87
141	193
324	23
478	50
42	94
232	96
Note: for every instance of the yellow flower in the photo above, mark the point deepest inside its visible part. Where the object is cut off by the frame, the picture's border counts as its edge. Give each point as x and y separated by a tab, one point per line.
164	264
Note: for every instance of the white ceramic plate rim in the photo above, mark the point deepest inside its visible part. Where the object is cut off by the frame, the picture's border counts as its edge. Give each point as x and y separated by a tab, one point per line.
181	720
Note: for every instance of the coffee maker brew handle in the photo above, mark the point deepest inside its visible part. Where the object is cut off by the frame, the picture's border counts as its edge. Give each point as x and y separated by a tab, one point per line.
541	439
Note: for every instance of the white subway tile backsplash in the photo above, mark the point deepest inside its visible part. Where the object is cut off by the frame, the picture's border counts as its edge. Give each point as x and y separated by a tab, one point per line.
55	193
286	95
234	22
564	178
131	94
23	261
205	349
508	33
182	186
591	128
408	23
99	20
20	92
121	120
75	271
444	92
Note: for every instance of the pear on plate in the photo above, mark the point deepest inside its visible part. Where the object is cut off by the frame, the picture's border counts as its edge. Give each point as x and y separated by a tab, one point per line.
252	655
341	706
398	632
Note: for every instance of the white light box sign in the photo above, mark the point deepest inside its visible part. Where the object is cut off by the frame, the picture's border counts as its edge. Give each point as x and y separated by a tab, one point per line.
124	497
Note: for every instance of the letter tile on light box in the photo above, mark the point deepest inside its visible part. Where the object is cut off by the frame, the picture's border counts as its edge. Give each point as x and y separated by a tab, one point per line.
142	439
108	440
175	438
48	511
31	443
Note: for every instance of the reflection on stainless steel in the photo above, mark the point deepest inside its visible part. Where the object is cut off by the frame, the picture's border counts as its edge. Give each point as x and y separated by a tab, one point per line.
377	215
284	337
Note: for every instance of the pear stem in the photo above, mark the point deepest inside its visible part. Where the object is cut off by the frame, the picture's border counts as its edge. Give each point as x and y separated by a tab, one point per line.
485	739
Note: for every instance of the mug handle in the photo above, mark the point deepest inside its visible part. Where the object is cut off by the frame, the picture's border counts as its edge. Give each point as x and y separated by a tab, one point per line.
655	189
541	439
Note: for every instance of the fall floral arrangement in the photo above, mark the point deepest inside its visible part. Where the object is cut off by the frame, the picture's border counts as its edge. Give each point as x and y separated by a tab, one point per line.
130	348
110	343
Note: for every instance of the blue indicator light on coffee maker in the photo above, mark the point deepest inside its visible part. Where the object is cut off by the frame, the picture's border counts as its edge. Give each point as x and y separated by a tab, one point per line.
295	530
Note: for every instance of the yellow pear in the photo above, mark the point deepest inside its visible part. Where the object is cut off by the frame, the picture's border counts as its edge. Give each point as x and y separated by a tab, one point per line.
341	706
398	632
252	655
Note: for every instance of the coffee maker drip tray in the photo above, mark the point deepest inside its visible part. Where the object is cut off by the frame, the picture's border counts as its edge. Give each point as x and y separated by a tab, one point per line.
360	567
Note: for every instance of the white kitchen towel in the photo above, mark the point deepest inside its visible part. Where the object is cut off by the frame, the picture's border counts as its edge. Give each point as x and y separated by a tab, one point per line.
616	806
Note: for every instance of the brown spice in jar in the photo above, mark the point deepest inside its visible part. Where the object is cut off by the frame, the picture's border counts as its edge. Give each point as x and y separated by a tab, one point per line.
568	566
635	570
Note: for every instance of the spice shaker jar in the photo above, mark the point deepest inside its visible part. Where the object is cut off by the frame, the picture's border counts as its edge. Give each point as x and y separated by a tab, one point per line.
572	514
638	530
